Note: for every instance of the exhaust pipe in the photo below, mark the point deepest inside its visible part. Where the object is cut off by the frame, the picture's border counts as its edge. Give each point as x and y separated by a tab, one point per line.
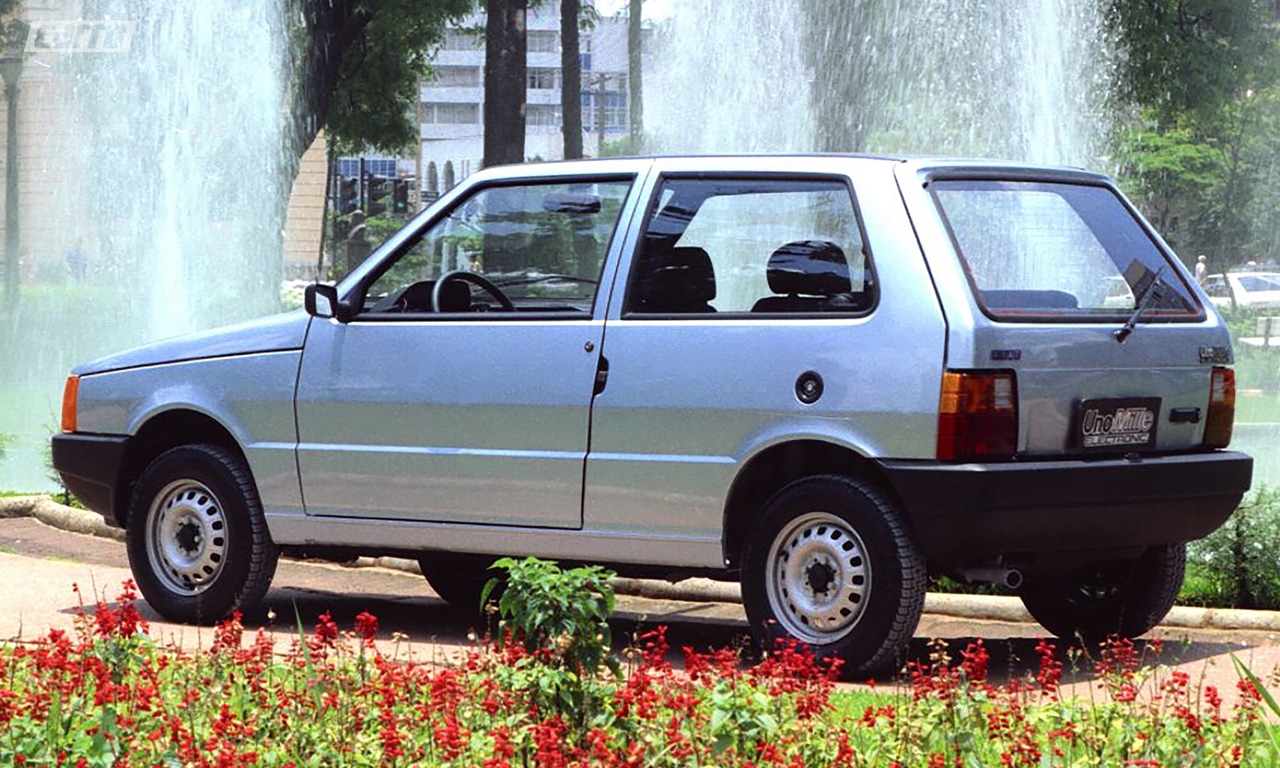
989	574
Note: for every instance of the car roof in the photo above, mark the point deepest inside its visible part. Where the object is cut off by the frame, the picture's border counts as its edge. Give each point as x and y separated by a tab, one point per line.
930	167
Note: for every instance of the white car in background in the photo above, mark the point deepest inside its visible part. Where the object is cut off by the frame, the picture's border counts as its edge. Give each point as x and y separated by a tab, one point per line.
1250	289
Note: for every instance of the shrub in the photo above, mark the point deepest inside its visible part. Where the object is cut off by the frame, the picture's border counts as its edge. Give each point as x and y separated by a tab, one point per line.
561	618
1238	565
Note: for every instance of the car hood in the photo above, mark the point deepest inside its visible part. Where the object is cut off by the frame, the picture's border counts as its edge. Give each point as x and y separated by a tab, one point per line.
269	334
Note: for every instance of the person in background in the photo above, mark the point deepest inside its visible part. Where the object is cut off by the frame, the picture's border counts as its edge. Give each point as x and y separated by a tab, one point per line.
77	262
1201	268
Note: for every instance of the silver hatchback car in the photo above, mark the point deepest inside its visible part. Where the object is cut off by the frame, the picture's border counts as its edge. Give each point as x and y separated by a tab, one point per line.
829	377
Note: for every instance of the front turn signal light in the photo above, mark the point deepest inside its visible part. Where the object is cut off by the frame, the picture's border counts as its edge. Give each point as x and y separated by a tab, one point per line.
1222	408
70	394
978	415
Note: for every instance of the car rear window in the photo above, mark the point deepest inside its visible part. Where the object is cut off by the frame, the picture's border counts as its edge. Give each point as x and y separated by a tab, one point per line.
1056	251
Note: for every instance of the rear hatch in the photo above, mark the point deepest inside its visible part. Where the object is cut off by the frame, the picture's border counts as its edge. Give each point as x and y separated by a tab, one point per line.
1051	278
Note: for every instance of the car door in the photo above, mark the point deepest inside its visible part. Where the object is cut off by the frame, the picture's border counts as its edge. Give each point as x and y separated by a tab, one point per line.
753	314
459	391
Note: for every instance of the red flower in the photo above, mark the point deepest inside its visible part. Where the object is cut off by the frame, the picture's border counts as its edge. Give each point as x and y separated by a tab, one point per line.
1050	674
367	625
326	629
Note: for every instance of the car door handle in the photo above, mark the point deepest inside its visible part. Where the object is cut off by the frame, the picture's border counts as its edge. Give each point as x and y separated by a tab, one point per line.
602	374
1184	416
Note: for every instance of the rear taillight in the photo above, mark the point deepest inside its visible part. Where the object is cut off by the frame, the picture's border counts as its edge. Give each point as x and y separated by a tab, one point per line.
978	416
70	393
1222	408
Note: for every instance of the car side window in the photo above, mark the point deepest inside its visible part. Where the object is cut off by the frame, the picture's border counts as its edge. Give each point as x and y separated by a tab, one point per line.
536	247
759	246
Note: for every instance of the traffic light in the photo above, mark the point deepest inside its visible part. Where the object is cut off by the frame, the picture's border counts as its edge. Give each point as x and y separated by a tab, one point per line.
348	195
401	196
379	189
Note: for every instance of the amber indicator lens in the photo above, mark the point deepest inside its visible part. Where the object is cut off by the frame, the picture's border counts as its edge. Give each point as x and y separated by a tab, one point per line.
70	393
978	415
1222	408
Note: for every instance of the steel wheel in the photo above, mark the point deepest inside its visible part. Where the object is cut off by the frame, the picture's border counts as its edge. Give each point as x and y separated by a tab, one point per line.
830	563
197	539
186	537
820	578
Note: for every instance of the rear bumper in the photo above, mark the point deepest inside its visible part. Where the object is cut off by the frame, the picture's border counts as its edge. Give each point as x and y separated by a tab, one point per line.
963	513
90	468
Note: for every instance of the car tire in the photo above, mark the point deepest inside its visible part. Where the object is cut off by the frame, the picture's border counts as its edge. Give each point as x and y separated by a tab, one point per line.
459	578
197	540
831	564
1125	599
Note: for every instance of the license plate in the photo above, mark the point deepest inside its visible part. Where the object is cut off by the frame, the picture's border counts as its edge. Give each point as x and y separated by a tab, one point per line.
1118	423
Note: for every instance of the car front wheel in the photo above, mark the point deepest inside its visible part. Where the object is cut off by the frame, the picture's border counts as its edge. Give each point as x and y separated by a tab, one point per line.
459	578
197	540
831	564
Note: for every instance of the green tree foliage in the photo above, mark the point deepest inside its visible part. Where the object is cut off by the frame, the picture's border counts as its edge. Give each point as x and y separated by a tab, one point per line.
1191	56
375	101
1201	81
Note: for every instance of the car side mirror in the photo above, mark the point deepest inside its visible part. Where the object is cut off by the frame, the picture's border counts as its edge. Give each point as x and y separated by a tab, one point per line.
321	300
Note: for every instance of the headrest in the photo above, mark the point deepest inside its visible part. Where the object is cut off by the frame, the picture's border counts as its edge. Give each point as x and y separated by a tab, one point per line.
688	270
809	268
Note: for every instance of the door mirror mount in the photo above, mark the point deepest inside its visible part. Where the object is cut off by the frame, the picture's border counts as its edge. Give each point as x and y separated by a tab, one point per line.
321	300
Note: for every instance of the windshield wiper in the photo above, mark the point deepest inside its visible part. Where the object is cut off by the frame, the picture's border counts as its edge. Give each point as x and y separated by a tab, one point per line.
1149	294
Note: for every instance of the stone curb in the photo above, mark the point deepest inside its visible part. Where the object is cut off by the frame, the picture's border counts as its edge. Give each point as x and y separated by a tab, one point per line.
55	515
980	607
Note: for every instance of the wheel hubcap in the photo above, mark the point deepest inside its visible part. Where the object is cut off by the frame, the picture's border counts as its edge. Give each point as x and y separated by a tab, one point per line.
186	537
819	578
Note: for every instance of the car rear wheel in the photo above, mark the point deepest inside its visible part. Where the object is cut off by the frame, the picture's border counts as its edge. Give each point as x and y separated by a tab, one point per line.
831	564
197	541
1126	598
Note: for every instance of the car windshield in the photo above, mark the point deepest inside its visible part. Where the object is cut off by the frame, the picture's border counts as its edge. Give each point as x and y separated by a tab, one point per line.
1053	251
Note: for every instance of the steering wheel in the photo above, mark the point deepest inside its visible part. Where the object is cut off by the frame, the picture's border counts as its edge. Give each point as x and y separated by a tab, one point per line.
474	279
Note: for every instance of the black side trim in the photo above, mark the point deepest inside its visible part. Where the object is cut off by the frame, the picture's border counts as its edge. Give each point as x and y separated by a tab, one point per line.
963	513
90	468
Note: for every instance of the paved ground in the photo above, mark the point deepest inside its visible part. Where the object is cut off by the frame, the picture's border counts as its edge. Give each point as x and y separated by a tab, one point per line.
39	566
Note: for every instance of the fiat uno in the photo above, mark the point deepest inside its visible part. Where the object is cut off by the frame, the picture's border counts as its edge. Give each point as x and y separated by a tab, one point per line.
828	377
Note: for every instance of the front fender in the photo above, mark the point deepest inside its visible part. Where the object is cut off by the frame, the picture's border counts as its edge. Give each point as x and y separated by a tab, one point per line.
250	396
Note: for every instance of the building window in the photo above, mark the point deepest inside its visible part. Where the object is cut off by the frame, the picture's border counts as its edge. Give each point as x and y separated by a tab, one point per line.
349	167
455	77
543	41
542	117
614	106
437	113
459	40
541	79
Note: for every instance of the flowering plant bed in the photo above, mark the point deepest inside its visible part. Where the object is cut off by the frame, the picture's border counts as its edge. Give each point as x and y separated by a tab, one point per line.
108	695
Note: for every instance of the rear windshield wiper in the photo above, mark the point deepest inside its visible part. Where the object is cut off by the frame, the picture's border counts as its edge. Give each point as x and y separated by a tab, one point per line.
1153	289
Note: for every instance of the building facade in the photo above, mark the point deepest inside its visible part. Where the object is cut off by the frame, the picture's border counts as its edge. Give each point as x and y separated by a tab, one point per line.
452	100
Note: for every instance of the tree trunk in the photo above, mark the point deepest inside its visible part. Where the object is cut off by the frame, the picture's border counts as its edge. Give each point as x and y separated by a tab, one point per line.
571	87
635	66
505	76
